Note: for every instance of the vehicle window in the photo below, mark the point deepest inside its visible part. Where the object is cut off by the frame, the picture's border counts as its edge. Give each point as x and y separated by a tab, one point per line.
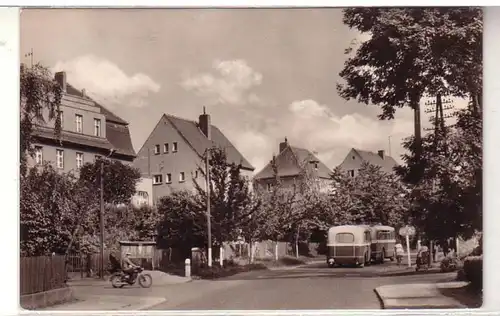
344	238
367	236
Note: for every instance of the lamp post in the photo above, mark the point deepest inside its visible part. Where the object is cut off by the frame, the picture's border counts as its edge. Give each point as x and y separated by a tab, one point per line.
209	225
101	213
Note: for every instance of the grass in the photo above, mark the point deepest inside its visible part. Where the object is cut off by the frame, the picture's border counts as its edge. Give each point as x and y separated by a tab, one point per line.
467	295
283	262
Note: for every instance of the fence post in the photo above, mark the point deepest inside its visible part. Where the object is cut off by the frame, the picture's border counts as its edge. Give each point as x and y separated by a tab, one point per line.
187	264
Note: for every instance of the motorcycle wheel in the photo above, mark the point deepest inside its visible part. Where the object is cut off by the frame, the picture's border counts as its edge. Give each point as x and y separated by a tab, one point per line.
145	280
116	281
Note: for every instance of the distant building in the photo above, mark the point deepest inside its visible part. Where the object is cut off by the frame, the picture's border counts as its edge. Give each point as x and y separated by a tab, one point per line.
89	131
144	194
355	158
294	165
172	154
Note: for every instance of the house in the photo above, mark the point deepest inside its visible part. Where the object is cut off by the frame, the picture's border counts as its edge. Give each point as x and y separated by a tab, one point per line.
293	165
172	154
144	194
356	157
88	131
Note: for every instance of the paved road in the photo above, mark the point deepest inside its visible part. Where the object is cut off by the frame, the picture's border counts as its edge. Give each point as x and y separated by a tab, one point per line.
309	287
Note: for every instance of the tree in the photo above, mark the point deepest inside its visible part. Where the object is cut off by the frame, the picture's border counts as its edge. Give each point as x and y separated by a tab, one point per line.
182	223
412	52
372	196
47	211
120	180
450	189
230	198
40	98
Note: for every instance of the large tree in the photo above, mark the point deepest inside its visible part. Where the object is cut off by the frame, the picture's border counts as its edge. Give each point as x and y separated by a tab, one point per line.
40	98
412	52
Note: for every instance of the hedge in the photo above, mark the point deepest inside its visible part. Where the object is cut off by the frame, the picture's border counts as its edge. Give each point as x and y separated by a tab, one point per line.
473	270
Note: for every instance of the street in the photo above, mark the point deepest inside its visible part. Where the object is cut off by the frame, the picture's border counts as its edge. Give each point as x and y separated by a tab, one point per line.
309	287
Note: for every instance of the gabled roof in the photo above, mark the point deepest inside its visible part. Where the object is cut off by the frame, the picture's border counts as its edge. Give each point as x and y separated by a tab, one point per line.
291	161
190	131
387	164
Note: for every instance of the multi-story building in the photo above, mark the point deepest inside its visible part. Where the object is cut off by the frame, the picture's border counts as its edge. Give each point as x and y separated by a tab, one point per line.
88	131
355	159
172	154
294	166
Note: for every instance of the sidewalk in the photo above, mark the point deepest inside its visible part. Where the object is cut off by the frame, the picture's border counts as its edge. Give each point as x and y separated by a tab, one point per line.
418	296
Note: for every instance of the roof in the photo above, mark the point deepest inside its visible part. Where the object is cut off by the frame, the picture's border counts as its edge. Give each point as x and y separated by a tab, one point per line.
291	161
74	138
387	164
110	116
190	131
117	131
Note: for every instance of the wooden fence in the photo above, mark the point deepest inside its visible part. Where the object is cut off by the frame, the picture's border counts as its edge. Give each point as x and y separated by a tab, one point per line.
40	274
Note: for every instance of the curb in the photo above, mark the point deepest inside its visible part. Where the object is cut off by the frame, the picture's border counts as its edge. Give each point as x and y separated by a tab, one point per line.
382	303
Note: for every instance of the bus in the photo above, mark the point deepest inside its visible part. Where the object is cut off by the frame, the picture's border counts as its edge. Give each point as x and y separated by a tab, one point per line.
349	244
383	242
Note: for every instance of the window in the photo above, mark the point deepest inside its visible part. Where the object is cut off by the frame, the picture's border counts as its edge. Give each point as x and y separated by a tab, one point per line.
350	173
79	160
353	157
61	118
269	186
143	197
182	177
165	148
368	236
38	155
97	157
79	123
169	178
60	159
174	147
316	166
344	238
97	127
157	149
157	179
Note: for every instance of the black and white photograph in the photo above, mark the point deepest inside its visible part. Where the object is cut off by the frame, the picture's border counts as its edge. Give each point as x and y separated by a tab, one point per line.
180	159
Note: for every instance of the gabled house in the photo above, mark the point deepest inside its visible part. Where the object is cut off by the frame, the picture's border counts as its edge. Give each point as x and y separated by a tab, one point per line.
294	165
173	152
88	131
356	157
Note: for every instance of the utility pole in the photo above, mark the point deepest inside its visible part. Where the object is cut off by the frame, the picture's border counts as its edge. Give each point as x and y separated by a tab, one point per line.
101	213
209	225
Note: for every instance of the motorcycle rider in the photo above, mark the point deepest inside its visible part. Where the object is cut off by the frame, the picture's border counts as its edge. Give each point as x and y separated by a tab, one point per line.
128	266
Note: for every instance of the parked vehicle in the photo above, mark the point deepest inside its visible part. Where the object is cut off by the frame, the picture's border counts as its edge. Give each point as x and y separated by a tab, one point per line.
119	279
382	243
349	244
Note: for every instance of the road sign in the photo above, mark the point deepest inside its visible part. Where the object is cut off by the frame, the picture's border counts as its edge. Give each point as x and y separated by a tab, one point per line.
407	231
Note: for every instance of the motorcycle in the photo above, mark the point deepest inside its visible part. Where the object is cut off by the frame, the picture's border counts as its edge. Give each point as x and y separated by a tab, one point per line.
119	278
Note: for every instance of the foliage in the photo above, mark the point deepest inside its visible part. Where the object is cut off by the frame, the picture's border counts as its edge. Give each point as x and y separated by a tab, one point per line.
231	201
372	196
216	272
47	211
119	179
449	190
40	97
182	223
412	52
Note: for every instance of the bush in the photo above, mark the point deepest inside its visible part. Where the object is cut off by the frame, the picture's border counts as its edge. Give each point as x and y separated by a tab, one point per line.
216	272
473	270
450	264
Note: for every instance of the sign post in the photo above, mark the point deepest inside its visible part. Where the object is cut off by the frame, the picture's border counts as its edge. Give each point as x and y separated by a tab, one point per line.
407	231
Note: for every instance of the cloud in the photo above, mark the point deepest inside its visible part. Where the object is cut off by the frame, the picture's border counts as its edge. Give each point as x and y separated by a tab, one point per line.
230	82
106	82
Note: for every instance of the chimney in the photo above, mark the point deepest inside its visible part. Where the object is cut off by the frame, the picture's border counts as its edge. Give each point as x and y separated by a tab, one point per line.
283	145
61	79
204	124
84	93
381	153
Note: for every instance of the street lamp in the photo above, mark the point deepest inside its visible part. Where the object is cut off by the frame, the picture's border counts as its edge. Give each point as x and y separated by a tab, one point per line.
101	213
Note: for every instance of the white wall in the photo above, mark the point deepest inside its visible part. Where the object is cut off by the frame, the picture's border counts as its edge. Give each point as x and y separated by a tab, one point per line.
144	194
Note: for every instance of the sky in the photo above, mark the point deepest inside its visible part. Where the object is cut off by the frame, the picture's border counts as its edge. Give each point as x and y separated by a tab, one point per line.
262	74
